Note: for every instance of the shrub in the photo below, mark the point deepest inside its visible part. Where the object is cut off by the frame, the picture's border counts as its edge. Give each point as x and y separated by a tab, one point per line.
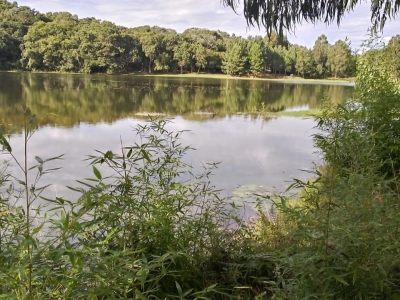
150	229
345	234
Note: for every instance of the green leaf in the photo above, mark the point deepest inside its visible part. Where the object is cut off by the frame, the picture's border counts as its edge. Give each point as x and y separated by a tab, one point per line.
129	153
186	293
140	295
59	157
97	173
39	160
109	155
59	253
4	143
110	235
100	278
341	280
163	270
79	190
178	287
32	119
145	154
37	229
64	219
85	184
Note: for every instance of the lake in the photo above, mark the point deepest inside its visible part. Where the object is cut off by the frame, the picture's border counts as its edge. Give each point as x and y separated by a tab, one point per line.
83	113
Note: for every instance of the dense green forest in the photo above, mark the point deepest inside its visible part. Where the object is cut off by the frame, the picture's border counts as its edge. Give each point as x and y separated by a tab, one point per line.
61	42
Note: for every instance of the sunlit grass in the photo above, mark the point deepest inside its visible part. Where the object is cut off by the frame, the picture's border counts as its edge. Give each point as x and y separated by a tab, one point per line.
301	113
286	79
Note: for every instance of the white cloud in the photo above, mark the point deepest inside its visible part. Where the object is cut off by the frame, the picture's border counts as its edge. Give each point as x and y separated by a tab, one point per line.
183	14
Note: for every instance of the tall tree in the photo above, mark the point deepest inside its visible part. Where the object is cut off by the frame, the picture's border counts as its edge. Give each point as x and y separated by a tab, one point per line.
290	59
157	45
103	48
164	61
208	46
48	46
339	59
304	61
274	40
200	55
14	23
320	53
277	56
151	46
235	58
183	54
393	55
128	51
6	55
256	54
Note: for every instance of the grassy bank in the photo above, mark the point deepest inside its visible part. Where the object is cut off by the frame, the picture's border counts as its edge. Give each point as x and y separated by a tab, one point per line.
280	79
311	113
283	79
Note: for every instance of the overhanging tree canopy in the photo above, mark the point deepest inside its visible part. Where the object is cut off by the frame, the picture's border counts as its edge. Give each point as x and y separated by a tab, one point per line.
280	15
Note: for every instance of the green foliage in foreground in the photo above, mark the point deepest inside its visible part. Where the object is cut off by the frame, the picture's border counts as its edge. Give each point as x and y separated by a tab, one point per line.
343	233
151	229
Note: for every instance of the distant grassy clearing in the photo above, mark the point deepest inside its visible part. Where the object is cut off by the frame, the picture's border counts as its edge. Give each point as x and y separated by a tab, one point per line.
299	113
282	79
285	79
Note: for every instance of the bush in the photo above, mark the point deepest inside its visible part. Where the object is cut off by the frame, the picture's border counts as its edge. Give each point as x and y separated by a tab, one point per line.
151	229
344	239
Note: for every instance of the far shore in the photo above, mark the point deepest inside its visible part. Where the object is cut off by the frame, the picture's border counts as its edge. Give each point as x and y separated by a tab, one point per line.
275	78
309	113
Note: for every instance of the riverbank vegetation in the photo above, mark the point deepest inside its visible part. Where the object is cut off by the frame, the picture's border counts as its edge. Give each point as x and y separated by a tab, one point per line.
61	42
146	227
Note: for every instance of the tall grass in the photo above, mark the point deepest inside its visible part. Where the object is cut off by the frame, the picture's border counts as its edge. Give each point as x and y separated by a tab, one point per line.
153	229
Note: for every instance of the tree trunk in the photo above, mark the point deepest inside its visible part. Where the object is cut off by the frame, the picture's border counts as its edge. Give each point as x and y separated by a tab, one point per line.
181	69
150	66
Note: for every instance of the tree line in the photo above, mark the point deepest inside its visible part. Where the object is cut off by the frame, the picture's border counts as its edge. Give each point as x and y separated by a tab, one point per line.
62	42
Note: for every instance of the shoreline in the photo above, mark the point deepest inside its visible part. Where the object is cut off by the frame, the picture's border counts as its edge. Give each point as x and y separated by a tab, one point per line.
281	79
278	79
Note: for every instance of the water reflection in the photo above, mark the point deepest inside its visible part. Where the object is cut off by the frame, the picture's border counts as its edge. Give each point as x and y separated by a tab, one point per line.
94	112
95	98
250	150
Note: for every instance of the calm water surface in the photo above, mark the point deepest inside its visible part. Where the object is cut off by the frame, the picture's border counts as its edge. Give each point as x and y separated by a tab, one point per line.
94	112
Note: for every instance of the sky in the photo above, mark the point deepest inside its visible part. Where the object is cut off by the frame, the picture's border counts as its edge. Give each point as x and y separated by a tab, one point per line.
184	14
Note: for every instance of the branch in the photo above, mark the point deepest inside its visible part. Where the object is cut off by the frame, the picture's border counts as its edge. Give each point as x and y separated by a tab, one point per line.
284	15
